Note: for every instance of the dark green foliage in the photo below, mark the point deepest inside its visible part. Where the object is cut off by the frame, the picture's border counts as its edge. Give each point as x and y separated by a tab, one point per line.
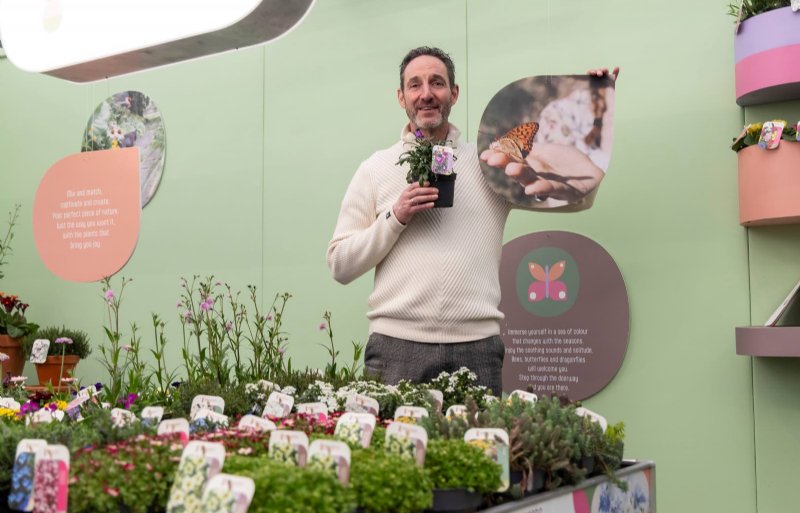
455	464
236	403
80	341
385	483
280	487
751	8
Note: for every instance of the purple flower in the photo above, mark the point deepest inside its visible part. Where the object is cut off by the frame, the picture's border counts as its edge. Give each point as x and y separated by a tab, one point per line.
98	386
28	407
110	295
52	406
268	317
63	340
208	304
418	133
187	316
180	304
128	401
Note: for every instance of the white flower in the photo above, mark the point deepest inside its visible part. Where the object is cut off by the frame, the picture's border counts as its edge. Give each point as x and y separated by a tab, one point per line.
4	357
19	379
290	390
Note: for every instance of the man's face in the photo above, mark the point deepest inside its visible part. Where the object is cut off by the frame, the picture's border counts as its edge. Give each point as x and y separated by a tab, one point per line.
427	94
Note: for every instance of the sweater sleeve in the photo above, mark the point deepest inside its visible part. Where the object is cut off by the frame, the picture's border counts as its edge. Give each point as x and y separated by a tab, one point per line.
361	239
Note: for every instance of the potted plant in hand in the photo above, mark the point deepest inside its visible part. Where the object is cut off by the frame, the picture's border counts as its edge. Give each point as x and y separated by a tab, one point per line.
13	327
431	161
67	348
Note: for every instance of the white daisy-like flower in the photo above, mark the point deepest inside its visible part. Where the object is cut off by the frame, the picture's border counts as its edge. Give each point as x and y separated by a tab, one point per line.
4	357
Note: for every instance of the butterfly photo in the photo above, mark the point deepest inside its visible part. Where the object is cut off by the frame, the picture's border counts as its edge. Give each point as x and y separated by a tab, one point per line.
546	284
560	128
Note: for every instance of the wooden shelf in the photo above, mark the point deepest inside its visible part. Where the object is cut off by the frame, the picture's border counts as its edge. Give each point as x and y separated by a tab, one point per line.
768	341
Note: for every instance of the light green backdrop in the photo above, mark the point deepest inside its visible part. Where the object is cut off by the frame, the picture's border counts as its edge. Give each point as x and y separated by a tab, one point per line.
262	142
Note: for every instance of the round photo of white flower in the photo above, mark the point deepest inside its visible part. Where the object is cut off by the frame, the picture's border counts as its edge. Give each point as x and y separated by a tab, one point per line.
130	119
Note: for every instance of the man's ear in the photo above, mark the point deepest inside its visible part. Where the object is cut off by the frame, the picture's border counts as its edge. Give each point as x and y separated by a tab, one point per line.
454	92
401	98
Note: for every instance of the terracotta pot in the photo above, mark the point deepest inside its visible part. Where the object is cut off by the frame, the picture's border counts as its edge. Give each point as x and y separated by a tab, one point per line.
769	185
48	372
13	349
767	50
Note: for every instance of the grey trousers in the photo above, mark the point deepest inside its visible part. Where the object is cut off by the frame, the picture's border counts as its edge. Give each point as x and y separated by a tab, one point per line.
394	359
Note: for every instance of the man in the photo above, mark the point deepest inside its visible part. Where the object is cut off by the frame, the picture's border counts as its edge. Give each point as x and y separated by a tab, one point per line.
434	306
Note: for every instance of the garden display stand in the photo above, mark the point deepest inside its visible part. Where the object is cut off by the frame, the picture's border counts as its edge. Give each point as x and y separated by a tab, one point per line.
641	479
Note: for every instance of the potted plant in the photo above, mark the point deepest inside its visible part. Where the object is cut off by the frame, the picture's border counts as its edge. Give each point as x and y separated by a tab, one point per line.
767	51
461	475
67	348
385	483
431	161
768	180
281	487
13	327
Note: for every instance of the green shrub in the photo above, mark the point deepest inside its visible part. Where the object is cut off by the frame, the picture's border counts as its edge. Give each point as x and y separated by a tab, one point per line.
80	341
456	464
385	483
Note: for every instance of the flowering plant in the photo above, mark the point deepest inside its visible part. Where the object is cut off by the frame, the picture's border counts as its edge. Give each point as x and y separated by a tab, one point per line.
79	345
12	317
751	134
420	159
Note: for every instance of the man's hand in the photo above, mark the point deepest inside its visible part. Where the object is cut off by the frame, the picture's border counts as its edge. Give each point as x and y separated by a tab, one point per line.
602	72
415	198
550	171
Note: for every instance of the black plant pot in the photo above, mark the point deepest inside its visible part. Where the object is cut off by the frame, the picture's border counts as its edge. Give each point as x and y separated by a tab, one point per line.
587	463
455	500
446	185
538	481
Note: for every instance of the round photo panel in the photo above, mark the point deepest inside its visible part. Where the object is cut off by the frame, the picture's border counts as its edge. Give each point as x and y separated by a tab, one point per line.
130	119
545	142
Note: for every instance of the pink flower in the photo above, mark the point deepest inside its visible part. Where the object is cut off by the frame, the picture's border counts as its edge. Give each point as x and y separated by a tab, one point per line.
68	380
109	295
323	326
228	325
111	491
281	350
126	347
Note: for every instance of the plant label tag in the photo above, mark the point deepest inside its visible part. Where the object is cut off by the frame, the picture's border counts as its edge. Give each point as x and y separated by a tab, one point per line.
523	395
211	402
232	493
330	456
797	129
121	418
770	136
105	405
412	413
442	160
152	415
9	403
494	443
20	496
256	424
187	489
359	403
289	447
58	415
355	428
175	426
795	5
278	405
43	416
39	350
204	417
408	441
595	417
456	410
52	474
437	397
316	410
213	452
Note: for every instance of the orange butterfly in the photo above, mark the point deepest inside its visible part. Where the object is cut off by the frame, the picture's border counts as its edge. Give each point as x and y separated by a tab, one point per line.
517	142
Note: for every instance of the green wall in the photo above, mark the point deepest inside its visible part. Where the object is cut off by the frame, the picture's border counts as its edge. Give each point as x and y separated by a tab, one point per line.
262	142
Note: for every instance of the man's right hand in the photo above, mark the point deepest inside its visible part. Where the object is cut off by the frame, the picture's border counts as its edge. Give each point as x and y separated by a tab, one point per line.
415	198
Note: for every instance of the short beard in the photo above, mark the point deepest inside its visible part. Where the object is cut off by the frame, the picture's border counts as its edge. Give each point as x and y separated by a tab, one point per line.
444	114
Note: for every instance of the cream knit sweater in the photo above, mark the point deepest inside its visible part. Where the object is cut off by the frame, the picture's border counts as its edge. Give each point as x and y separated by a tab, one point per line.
436	279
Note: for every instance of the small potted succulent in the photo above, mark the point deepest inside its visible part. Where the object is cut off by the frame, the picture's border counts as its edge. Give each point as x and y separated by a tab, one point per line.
461	475
431	161
67	348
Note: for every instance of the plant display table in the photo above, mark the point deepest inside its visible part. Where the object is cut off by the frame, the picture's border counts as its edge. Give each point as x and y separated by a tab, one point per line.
595	495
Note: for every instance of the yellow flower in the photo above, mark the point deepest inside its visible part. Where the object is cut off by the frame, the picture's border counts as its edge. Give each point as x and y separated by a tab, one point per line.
406	420
8	413
62	405
755	128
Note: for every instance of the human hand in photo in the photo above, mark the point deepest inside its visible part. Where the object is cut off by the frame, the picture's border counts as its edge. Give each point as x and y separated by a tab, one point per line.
603	72
550	171
415	198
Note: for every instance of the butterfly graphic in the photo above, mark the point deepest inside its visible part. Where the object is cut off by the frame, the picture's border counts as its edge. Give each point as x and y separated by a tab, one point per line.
546	284
517	142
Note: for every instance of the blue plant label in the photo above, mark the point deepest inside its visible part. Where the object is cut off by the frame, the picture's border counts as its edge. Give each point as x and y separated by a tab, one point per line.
20	496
